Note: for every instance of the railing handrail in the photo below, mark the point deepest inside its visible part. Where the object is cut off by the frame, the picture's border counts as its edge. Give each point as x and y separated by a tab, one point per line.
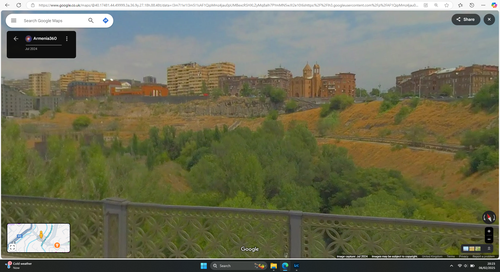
404	221
270	212
53	199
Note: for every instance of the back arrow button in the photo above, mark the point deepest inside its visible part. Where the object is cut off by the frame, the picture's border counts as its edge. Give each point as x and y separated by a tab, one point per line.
16	38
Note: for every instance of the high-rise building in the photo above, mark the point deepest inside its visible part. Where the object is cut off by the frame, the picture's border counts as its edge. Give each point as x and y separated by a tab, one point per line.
15	103
81	76
149	79
189	78
40	83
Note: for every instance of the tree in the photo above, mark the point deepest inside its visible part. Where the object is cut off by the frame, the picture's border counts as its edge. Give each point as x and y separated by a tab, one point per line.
277	95
81	123
416	134
446	90
273	115
246	91
361	92
204	89
134	146
216	93
487	98
291	106
375	92
341	102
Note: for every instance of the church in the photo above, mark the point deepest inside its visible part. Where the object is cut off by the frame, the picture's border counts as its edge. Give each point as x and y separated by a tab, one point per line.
311	84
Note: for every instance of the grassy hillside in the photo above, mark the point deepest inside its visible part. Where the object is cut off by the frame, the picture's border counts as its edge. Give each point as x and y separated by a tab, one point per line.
427	168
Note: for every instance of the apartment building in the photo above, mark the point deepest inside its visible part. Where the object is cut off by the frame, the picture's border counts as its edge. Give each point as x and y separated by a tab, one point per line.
40	83
278	77
188	78
464	80
15	103
77	89
81	76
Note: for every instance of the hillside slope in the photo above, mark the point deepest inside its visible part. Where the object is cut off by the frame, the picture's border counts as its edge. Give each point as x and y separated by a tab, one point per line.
427	168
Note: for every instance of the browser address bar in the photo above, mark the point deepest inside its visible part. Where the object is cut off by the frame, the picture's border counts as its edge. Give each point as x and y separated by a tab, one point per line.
238	6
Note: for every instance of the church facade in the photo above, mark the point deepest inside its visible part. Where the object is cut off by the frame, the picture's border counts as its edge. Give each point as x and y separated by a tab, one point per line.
311	84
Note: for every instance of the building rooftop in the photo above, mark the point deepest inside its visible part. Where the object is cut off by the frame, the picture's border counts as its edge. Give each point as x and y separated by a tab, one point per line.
444	71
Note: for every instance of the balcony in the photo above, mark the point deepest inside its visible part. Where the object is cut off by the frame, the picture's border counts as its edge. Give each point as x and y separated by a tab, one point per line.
118	228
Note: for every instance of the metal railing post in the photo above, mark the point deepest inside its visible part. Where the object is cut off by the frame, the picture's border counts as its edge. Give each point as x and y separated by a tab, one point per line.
115	228
295	233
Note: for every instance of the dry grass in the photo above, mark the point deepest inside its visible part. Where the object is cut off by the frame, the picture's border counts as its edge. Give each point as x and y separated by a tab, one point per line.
447	120
426	168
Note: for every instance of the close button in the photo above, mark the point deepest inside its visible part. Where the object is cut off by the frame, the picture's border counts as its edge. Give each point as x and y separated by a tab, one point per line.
465	19
489	19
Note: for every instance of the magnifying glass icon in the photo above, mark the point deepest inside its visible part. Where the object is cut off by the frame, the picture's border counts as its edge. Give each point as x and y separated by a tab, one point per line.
90	20
214	265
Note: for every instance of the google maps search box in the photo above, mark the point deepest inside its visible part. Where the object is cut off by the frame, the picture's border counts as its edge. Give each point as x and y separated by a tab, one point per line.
59	20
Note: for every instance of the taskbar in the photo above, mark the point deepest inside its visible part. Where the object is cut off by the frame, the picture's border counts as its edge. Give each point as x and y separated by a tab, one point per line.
285	265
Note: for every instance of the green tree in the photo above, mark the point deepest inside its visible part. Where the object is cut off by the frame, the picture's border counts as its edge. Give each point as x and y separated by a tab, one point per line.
375	92
277	95
446	90
216	93
273	115
81	122
204	89
134	145
487	98
341	102
361	92
246	91
291	106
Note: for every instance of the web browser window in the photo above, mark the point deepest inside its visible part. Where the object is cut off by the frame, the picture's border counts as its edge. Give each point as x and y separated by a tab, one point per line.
234	136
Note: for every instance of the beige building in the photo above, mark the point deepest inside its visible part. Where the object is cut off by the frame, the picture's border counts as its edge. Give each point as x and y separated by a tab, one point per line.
80	75
188	78
40	83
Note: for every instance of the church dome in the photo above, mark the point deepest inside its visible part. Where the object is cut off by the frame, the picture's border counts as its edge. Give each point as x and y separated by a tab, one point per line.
307	67
316	66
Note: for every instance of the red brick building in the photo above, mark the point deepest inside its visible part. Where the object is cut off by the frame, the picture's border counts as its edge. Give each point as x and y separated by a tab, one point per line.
465	81
90	89
143	90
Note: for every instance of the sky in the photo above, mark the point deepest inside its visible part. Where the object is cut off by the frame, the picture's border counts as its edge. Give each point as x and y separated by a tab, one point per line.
376	46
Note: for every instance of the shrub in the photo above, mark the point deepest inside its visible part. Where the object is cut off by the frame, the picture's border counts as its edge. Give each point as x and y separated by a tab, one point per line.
325	110
341	102
483	159
291	106
460	155
487	98
328	124
58	109
402	114
273	115
390	100
414	102
384	132
441	139
277	95
81	123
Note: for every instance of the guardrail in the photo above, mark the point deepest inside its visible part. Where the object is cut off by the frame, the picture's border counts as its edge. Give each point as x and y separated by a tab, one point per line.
119	228
440	147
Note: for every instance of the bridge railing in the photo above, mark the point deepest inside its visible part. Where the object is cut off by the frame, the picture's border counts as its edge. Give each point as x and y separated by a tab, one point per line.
119	228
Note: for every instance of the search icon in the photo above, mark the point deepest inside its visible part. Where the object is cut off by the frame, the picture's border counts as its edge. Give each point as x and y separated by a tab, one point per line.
90	20
214	265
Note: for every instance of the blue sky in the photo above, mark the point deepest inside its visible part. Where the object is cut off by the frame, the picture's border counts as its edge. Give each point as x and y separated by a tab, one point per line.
376	46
